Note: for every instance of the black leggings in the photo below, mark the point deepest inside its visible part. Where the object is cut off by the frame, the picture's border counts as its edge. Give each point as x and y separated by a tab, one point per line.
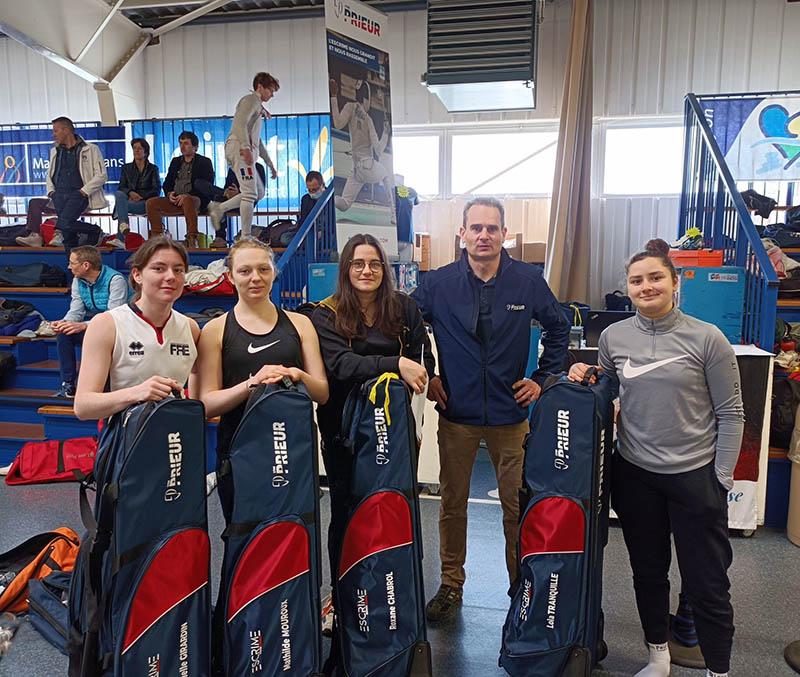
693	506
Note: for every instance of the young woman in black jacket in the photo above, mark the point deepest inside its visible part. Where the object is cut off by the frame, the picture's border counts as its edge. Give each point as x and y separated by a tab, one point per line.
365	329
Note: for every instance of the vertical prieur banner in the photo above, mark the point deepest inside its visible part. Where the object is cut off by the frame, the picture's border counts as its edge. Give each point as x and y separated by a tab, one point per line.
361	129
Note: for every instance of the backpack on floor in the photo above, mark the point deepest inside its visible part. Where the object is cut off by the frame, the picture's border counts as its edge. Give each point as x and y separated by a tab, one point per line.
279	233
140	596
554	625
53	461
267	617
47	607
35	558
380	617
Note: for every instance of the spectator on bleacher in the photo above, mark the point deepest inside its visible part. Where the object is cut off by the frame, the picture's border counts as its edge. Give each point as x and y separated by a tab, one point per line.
95	289
242	146
214	193
37	207
182	197
316	187
75	177
139	182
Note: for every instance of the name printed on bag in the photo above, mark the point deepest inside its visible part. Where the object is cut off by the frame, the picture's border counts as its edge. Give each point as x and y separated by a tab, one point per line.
562	440
527	587
175	450
280	468
286	641
154	666
391	600
256	645
552	598
600	471
362	610
382	432
183	650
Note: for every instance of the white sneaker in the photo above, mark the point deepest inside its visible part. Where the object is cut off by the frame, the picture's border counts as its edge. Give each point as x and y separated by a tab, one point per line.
211	482
327	616
58	240
215	214
32	240
116	243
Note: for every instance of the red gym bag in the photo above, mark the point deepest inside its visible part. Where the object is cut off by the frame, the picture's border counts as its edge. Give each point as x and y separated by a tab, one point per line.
53	461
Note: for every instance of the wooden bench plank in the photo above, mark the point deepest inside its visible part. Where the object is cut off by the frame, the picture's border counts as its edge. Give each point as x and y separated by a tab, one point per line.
33	290
22	431
13	340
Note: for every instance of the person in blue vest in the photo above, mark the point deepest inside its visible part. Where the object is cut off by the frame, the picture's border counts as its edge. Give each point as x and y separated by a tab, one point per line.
95	289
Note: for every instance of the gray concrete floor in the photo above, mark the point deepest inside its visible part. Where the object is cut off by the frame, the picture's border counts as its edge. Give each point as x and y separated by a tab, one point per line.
765	577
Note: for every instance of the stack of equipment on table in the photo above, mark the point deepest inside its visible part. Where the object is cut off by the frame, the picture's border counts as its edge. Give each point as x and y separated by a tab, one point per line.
140	593
555	623
38	274
379	594
37	557
269	593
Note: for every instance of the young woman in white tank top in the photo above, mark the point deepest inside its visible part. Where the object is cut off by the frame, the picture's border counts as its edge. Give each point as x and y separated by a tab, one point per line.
145	348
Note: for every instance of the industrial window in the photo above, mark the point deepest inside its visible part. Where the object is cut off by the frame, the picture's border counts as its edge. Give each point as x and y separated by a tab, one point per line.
417	159
643	161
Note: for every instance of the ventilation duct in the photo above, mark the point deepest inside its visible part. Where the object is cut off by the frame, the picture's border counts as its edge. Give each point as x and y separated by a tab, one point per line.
482	56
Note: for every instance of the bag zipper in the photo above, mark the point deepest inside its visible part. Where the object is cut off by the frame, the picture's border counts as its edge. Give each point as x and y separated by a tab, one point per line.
39	609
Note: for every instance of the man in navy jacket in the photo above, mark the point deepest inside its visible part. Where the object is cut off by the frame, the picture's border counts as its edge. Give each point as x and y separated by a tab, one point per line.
480	308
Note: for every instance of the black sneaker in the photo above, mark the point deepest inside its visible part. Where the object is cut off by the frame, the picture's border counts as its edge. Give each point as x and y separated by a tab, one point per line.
67	391
444	602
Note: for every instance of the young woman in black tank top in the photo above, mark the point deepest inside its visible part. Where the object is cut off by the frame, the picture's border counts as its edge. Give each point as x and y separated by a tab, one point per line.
254	343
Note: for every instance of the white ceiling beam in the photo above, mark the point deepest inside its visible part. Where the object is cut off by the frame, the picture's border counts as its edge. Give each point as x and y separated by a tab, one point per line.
99	30
191	16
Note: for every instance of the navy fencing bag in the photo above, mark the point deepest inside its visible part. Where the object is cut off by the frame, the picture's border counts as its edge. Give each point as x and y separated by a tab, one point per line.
139	600
379	588
267	618
555	624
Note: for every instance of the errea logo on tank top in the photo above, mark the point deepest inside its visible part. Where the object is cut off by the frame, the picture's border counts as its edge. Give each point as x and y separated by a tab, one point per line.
175	451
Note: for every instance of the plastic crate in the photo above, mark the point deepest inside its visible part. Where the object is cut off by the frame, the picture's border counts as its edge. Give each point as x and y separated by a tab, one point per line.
683	258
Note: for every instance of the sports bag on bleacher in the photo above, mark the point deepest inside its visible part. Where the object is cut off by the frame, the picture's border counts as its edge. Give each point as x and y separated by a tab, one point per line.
53	461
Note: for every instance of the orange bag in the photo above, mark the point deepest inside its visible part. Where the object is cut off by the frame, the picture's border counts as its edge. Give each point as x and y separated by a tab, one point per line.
36	558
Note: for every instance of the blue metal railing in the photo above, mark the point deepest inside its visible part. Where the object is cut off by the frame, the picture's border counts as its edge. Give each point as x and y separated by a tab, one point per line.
711	202
315	242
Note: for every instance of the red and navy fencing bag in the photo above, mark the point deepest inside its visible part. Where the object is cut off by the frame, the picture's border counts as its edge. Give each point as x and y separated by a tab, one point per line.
139	601
555	623
267	618
380	612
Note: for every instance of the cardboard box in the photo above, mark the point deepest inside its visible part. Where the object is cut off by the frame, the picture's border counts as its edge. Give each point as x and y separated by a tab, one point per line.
422	250
534	252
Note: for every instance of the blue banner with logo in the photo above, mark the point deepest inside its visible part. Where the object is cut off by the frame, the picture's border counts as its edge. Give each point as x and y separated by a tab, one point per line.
296	143
759	136
26	157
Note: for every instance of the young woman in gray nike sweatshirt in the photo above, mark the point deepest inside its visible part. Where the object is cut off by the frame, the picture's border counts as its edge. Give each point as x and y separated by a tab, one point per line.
680	430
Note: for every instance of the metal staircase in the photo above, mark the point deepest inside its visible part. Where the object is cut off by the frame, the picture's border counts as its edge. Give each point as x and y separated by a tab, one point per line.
710	201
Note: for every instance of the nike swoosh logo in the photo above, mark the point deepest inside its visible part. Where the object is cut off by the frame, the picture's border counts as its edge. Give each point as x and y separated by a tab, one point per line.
632	372
252	350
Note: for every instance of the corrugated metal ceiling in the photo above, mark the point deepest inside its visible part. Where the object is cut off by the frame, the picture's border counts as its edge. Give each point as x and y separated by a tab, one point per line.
155	13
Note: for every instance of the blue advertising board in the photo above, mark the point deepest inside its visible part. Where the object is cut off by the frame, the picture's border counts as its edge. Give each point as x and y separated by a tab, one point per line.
296	144
26	156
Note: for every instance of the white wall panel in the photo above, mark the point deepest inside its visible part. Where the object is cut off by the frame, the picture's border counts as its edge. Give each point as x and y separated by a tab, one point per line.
621	227
47	90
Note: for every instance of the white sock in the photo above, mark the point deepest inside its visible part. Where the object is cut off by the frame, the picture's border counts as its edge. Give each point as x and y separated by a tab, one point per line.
716	674
657	663
246	213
